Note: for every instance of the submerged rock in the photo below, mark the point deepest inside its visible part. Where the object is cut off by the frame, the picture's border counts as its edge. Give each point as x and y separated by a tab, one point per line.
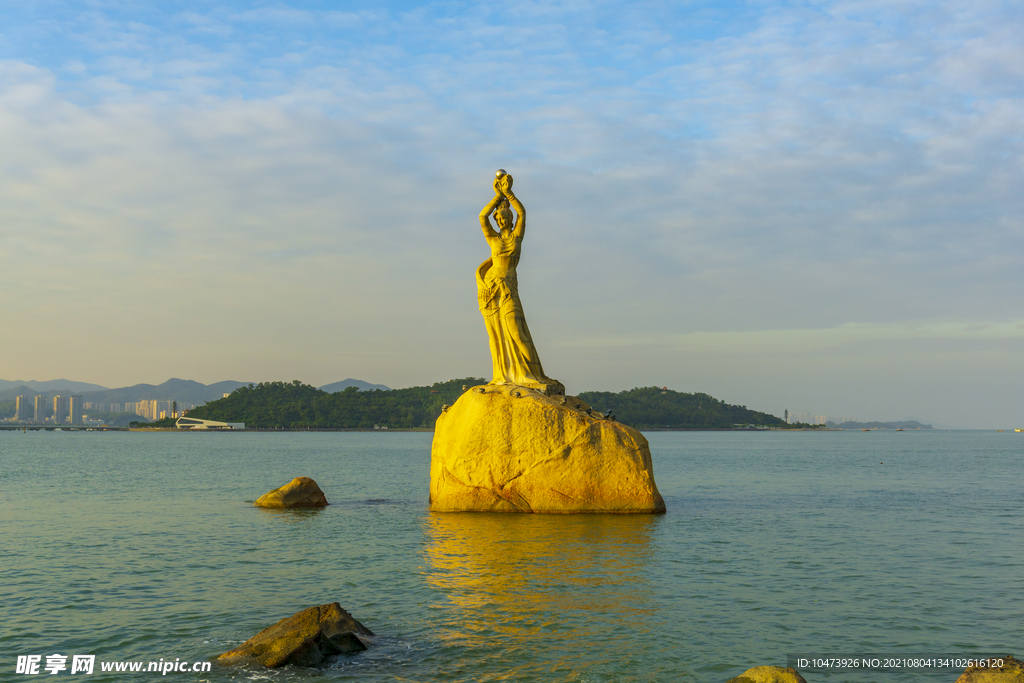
507	448
305	639
300	492
768	674
1012	671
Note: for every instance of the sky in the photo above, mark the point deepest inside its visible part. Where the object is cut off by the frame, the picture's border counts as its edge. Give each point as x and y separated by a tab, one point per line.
812	206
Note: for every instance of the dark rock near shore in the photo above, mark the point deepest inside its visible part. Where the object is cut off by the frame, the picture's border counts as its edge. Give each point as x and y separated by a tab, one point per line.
304	639
1012	671
768	674
301	492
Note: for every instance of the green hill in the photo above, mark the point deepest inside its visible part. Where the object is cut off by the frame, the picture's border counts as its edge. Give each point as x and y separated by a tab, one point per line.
656	408
272	405
294	405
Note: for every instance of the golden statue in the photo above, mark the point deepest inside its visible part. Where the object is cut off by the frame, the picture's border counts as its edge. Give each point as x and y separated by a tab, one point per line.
513	354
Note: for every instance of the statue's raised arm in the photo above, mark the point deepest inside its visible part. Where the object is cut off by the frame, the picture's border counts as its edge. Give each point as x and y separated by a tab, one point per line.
485	215
503	185
499	207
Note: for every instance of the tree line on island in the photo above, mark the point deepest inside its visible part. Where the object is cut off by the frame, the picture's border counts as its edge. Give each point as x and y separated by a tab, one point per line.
294	405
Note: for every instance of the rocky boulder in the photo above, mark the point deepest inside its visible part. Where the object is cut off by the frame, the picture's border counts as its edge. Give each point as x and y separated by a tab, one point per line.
1012	671
300	492
304	639
768	674
507	448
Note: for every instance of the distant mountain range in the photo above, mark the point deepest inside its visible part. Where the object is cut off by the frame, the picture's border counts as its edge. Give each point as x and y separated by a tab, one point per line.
908	424
53	384
180	390
346	383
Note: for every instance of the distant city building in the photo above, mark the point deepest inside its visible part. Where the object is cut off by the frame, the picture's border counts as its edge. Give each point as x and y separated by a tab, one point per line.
144	408
150	408
75	410
60	409
72	409
21	409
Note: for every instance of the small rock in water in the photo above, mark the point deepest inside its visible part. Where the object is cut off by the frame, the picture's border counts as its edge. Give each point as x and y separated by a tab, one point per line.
1011	671
300	492
768	674
304	639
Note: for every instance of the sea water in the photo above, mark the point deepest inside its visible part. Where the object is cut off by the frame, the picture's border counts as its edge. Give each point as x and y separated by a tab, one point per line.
146	547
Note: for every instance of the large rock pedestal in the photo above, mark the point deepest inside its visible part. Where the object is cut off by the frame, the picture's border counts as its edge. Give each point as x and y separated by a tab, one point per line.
495	451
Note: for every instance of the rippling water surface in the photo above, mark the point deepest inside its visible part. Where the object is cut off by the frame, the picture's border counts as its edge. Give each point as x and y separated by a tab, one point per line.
137	546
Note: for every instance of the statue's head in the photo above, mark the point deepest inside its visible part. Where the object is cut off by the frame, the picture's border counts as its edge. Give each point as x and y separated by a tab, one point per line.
503	215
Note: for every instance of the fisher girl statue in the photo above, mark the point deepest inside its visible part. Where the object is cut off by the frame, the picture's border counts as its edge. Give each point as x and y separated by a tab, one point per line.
513	353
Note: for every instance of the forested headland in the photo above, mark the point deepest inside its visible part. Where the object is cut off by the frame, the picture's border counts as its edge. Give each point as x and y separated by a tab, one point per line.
659	408
294	405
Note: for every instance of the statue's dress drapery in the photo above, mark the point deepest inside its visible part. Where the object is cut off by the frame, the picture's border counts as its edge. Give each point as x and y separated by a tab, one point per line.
514	356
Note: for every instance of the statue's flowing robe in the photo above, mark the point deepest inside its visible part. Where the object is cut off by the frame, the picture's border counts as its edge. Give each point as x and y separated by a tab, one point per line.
513	354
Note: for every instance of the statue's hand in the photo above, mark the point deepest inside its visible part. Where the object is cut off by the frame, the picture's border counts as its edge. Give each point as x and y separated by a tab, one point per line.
504	185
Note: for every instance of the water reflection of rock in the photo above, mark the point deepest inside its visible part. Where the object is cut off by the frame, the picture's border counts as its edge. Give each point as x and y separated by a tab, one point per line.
521	578
296	516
